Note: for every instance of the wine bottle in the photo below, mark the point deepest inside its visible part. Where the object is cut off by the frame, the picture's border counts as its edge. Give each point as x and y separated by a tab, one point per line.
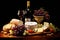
28	14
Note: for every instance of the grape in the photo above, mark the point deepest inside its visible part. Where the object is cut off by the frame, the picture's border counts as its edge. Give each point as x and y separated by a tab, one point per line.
39	12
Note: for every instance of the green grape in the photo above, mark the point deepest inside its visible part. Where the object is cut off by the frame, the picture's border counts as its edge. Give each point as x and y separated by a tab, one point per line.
57	29
39	25
53	27
24	33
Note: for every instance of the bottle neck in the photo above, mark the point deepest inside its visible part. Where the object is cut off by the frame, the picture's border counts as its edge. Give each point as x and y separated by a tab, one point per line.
28	5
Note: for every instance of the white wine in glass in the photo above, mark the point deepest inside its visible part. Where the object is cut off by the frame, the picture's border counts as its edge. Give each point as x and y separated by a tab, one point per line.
39	19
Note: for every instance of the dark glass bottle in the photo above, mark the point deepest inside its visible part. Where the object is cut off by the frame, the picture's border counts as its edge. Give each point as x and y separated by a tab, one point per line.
28	15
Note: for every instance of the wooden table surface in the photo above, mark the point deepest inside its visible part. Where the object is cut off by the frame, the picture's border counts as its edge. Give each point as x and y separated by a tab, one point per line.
52	36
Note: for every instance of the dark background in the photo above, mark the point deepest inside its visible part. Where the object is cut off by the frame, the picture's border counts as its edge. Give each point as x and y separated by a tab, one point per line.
9	8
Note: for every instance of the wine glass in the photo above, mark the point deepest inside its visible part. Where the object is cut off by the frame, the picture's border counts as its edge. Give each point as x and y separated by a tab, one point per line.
39	19
20	14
